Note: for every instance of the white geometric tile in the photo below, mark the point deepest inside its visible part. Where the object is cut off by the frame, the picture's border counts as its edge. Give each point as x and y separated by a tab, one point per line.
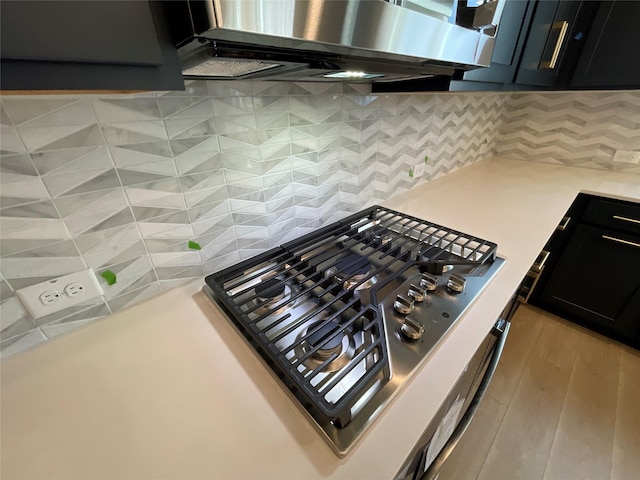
130	275
184	107
60	137
10	141
127	109
163	193
124	133
24	110
90	211
165	230
40	267
73	160
20	343
27	228
76	113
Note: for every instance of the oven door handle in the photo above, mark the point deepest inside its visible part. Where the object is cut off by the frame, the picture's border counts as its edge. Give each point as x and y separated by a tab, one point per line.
501	329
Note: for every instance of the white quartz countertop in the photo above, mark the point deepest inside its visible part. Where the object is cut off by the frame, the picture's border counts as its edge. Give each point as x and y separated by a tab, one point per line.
167	389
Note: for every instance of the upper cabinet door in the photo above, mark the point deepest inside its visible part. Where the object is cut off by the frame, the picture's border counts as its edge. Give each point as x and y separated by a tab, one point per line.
610	58
77	31
552	29
86	45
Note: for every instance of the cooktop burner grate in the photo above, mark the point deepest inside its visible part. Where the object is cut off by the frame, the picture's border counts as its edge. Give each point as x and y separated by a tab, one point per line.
309	307
324	343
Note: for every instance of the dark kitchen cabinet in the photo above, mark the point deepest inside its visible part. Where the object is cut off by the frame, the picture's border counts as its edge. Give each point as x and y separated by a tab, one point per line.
532	41
597	277
594	278
562	45
610	57
552	30
86	45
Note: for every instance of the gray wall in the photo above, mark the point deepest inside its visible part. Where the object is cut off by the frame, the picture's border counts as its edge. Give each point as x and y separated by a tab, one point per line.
123	182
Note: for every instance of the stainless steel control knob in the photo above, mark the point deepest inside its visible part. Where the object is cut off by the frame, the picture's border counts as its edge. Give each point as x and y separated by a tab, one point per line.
456	283
412	329
403	305
429	282
416	293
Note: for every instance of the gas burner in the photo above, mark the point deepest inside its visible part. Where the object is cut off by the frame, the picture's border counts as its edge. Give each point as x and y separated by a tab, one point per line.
272	290
351	270
270	293
342	346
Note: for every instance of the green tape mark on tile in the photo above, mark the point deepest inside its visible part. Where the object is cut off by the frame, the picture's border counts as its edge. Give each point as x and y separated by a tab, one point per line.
109	277
194	245
426	159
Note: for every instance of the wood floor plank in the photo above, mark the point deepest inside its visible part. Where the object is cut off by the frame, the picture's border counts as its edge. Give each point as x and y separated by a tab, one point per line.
626	439
583	444
466	460
572	408
526	326
558	341
523	442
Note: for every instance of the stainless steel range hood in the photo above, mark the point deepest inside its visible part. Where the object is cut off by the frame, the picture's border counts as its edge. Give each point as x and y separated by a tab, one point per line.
330	40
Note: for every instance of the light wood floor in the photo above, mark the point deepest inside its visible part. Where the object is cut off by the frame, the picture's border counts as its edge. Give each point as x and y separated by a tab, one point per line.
564	404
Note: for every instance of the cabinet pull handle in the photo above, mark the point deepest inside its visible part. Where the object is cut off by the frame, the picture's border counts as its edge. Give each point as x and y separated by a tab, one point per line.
538	266
626	219
564	224
563	27
619	240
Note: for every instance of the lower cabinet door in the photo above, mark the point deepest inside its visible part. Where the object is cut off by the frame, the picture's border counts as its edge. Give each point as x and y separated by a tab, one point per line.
597	280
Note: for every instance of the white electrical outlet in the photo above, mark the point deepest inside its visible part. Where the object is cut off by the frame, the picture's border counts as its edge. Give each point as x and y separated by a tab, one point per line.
626	156
50	297
74	289
60	293
418	170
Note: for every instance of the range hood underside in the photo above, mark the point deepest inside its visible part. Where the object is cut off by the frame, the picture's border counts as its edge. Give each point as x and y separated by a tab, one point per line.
224	60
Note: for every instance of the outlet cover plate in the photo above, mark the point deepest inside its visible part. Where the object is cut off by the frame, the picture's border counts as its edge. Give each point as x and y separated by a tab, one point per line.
626	156
418	170
30	296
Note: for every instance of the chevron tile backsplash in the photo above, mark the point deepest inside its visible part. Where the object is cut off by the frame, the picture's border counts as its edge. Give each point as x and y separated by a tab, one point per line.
124	182
580	129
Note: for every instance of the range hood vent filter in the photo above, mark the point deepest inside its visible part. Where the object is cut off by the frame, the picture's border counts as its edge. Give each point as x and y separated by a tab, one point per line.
228	68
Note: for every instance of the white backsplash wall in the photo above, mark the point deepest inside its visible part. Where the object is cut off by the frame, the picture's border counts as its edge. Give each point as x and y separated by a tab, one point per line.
123	182
580	129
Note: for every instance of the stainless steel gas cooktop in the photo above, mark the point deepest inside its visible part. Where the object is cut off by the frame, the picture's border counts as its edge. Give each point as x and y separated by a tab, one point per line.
345	315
